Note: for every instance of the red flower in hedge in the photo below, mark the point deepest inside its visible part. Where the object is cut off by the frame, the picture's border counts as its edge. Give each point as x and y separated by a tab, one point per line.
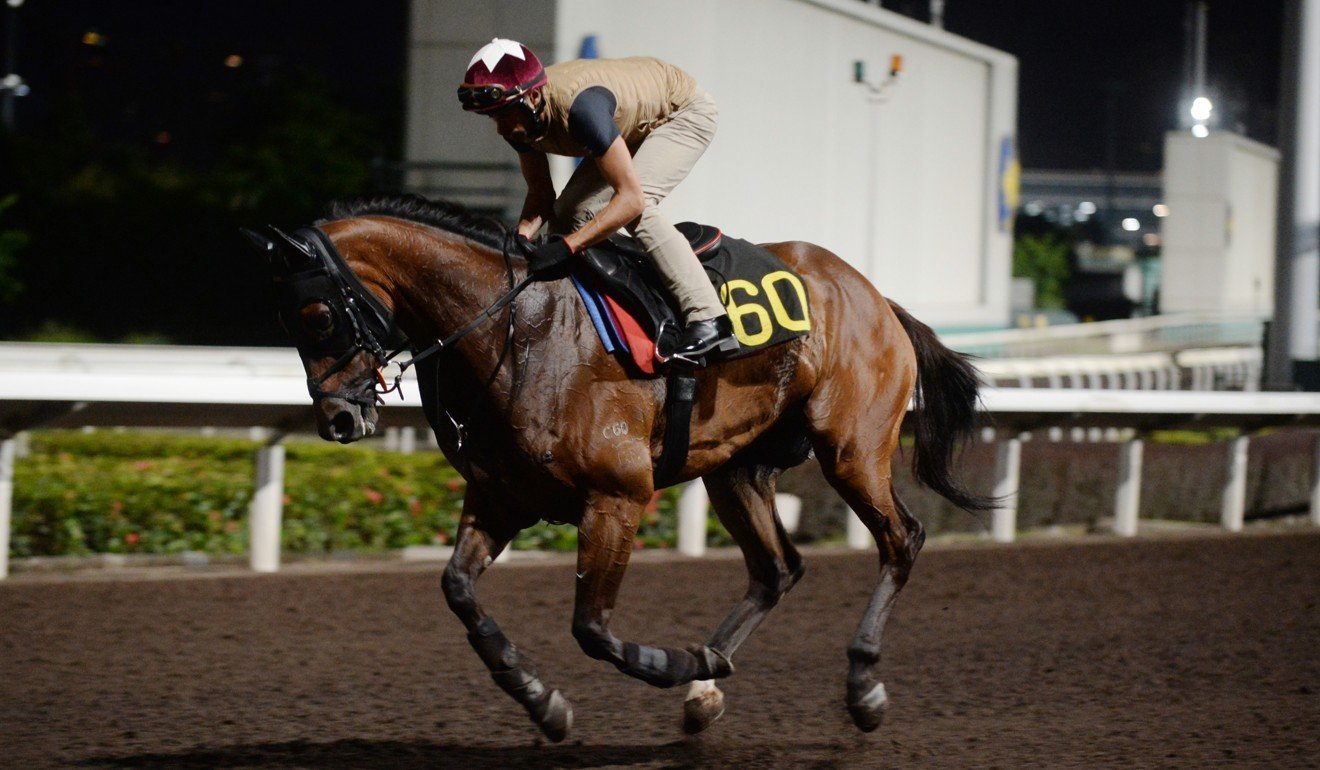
132	538
372	495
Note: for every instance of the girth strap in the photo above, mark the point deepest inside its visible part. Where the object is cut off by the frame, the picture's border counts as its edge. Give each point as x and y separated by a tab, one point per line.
680	395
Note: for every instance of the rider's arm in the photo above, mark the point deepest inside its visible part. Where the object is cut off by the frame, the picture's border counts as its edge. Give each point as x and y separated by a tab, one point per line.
616	167
591	123
539	205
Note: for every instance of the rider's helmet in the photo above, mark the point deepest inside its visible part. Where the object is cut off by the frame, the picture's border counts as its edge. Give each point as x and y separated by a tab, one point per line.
501	73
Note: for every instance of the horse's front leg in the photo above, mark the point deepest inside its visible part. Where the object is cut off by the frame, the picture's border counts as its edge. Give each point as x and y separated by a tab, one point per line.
476	546
605	541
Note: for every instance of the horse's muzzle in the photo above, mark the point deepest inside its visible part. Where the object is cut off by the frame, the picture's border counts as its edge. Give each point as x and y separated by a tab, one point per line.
345	422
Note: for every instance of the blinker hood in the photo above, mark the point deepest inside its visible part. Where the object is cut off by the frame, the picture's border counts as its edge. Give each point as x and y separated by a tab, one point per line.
308	270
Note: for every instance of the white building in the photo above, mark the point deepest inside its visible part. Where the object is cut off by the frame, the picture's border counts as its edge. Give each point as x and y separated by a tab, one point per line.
914	186
1219	236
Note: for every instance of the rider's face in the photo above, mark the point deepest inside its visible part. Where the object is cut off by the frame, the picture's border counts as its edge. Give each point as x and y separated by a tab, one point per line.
512	121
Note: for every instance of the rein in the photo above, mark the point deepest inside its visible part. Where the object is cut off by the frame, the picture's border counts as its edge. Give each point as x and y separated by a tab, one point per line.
440	345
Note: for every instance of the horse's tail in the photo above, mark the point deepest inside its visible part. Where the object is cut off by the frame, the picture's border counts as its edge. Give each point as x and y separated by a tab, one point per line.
944	405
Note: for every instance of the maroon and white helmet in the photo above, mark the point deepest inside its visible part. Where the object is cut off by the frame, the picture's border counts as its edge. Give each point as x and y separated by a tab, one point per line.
499	74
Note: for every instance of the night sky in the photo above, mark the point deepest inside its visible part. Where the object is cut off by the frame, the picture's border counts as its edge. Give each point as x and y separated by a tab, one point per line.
161	65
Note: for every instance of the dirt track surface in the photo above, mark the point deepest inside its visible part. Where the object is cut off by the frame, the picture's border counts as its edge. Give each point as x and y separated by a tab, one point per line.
1181	652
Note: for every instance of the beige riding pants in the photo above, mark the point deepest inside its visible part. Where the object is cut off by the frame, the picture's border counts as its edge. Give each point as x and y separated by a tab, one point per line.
662	160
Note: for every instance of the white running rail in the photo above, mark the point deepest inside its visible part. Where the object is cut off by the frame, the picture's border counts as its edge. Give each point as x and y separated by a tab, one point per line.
71	386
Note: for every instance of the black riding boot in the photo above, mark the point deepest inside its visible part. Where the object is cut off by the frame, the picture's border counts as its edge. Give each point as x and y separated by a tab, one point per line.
712	338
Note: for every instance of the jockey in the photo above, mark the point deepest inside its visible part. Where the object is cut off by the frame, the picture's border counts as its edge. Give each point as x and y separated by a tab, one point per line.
643	123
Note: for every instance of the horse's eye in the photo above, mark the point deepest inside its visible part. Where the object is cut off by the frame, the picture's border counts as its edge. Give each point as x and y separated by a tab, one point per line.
318	319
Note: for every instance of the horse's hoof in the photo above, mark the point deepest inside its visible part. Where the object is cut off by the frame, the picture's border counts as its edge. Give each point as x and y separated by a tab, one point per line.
868	712
558	717
704	704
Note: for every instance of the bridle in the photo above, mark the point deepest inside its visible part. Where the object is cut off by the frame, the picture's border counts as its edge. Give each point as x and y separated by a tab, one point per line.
311	270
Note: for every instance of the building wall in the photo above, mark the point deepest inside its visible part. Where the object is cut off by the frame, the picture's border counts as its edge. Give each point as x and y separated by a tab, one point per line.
1219	236
906	189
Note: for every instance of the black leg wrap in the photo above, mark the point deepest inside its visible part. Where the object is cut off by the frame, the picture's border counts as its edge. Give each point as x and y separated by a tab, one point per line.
517	677
863	656
507	667
666	667
526	688
658	666
711	663
493	647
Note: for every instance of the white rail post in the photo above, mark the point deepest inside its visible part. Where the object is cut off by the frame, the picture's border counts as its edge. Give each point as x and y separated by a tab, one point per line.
859	536
1315	482
267	509
407	440
1128	500
8	448
789	508
1234	506
692	505
1008	469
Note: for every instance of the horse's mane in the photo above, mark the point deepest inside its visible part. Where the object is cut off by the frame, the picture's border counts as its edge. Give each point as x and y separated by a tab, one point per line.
442	214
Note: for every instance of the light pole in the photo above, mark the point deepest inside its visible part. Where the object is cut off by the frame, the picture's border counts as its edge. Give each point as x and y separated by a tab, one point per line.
11	85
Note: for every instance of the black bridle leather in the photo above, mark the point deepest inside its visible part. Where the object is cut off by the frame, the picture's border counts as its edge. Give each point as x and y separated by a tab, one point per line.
360	323
314	272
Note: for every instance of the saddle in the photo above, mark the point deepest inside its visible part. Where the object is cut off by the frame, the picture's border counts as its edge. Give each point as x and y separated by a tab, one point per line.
620	270
766	301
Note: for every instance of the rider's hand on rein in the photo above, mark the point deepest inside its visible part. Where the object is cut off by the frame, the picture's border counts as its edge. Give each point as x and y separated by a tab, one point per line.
552	253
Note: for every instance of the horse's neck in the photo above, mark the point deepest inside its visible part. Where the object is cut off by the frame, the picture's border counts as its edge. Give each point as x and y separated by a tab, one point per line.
444	283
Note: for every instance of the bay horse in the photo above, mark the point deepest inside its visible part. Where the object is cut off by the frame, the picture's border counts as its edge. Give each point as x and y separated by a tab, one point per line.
544	424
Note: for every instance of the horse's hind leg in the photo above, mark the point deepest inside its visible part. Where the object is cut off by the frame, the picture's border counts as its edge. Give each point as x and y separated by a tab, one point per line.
744	499
605	541
862	478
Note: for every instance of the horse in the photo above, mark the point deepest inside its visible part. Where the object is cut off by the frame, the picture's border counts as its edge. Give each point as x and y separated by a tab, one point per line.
545	425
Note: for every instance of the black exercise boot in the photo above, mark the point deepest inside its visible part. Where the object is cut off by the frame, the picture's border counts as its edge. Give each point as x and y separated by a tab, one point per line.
712	338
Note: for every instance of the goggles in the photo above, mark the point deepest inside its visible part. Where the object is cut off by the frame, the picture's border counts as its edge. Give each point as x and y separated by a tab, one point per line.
482	98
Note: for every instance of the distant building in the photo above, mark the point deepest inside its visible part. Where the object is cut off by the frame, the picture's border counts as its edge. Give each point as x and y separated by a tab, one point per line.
1126	208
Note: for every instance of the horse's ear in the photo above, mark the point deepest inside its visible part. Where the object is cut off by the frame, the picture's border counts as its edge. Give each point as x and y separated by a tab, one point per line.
296	253
267	248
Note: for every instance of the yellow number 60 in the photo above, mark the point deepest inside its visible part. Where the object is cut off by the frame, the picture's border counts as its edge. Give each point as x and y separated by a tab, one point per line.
765	329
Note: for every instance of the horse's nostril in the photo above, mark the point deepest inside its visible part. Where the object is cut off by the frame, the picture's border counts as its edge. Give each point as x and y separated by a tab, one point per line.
343	424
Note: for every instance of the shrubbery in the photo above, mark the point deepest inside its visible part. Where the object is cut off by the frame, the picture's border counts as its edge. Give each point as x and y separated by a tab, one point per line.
115	492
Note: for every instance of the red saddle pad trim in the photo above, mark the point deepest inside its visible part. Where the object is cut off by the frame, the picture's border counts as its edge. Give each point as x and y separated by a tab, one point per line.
640	346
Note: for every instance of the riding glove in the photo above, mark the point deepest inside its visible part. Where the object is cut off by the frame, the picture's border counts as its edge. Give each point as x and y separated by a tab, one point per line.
552	253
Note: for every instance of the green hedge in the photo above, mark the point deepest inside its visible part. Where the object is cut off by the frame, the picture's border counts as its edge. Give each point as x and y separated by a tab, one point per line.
142	492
